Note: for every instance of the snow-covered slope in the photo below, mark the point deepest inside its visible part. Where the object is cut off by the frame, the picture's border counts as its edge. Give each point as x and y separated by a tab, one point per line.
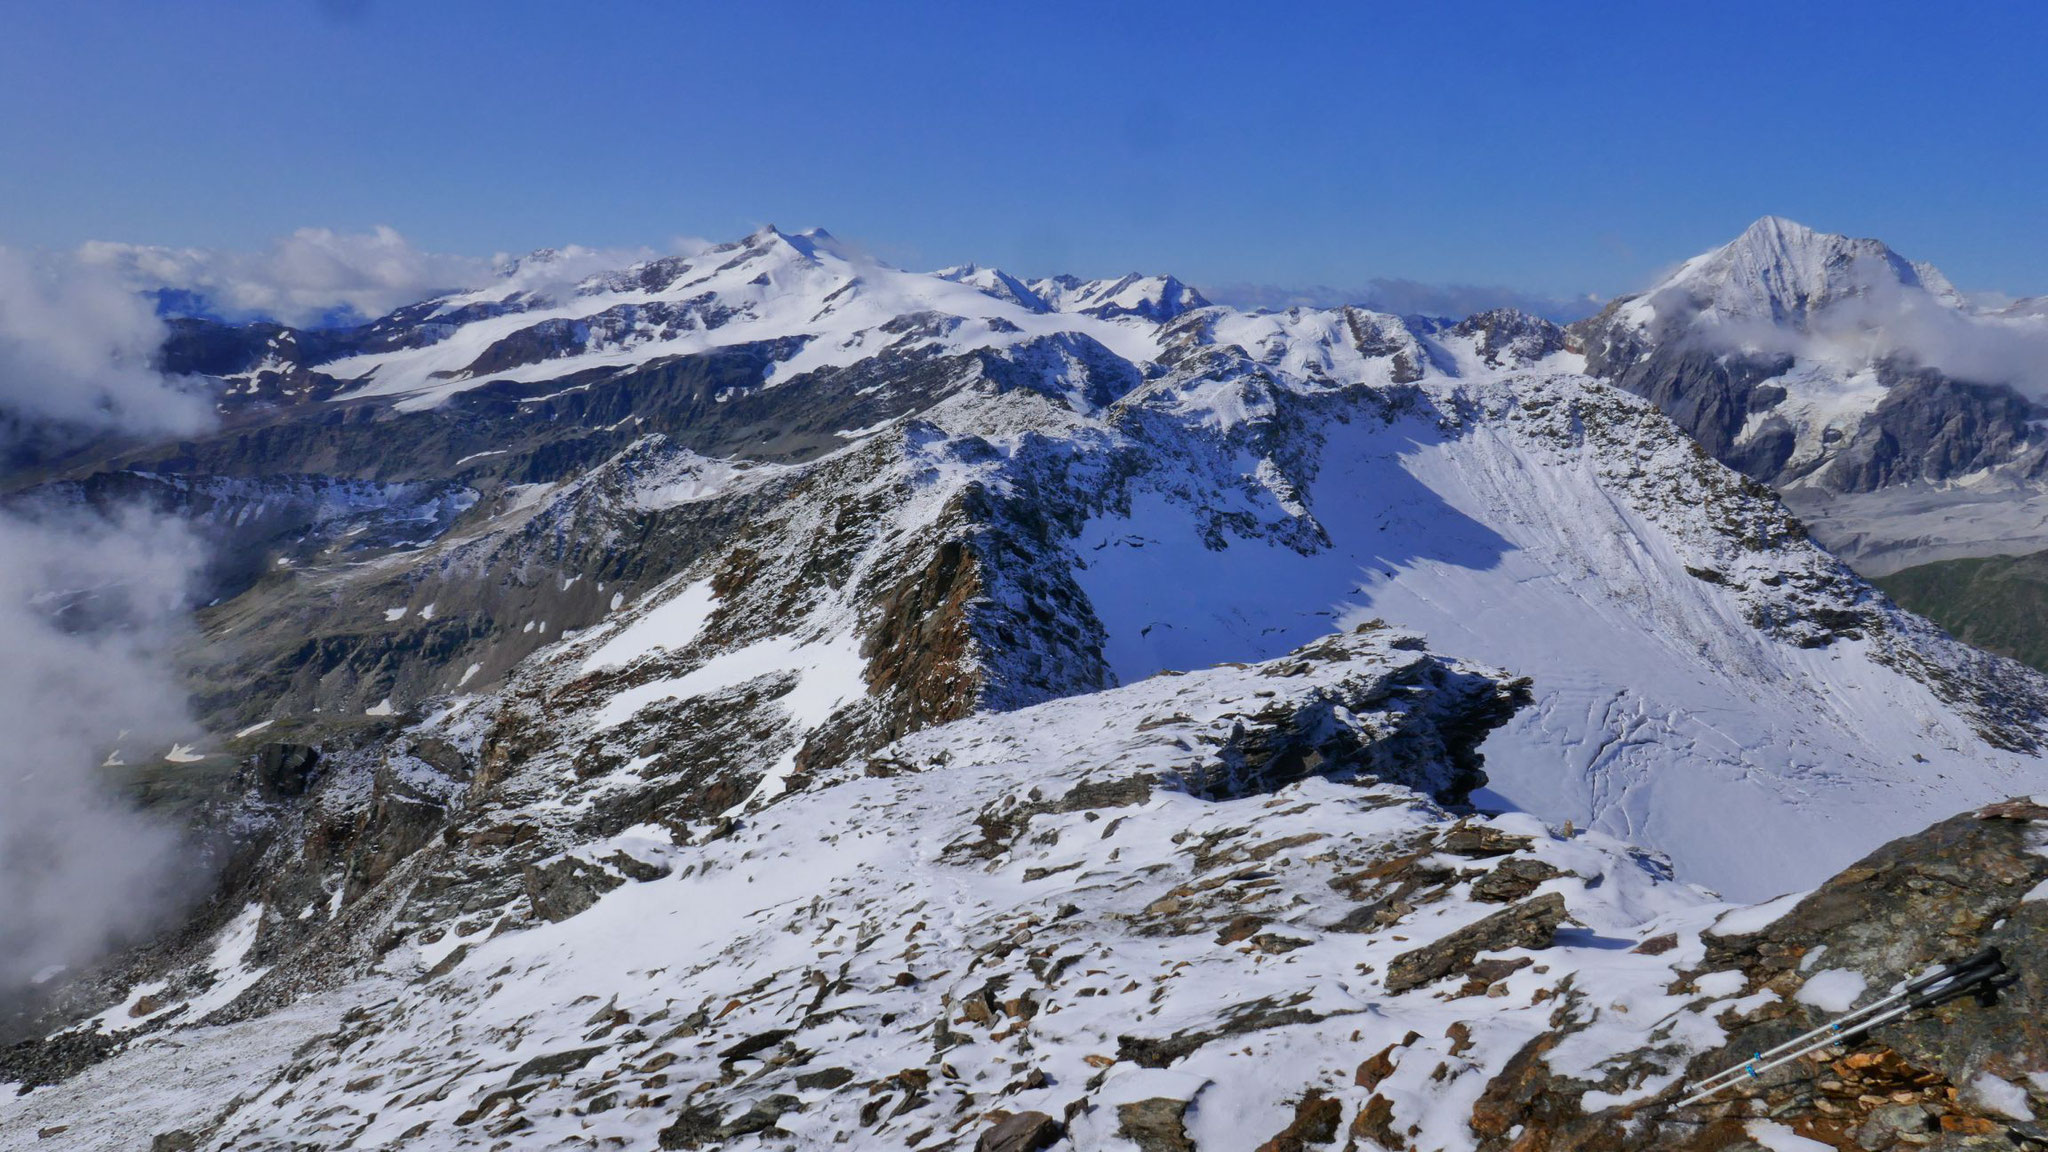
1025	911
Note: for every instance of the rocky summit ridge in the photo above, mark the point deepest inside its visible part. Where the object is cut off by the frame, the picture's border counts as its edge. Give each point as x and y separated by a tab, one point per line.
766	699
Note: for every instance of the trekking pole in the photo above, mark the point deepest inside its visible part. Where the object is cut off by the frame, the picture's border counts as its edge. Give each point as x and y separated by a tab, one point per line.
1933	988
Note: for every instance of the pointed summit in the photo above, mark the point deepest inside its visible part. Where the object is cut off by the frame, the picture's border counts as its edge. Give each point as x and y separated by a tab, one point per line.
1783	272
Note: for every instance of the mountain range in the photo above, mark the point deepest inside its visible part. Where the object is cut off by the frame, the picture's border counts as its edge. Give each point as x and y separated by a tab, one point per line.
769	698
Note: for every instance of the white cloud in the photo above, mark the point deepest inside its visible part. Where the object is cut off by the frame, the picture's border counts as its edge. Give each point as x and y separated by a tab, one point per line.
1890	319
90	606
300	278
75	350
315	273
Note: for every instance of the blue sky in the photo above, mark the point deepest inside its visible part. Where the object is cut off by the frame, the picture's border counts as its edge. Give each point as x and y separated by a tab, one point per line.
1554	148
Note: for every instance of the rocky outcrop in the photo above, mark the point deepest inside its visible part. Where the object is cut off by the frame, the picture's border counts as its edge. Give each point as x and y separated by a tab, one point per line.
1529	925
1963	1075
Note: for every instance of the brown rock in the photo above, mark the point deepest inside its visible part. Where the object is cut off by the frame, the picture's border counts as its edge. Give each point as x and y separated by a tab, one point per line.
1242	928
1657	945
566	887
1023	1132
1375	1069
1375	1122
1315	1122
1482	840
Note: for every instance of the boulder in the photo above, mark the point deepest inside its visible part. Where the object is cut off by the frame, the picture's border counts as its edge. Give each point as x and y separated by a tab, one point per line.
1023	1132
1512	879
693	1127
555	1064
1158	1124
1316	1117
761	1117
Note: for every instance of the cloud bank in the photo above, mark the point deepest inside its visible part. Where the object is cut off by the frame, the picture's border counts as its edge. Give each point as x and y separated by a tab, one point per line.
75	350
1888	319
319	276
89	607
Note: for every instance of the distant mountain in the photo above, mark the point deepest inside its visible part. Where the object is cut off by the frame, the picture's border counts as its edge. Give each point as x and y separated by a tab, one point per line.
1892	416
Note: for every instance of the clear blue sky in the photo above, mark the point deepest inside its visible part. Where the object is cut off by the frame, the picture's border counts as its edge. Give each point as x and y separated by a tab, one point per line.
1554	148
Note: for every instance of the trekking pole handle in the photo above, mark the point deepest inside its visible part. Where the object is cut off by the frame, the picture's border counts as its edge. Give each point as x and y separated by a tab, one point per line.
1987	958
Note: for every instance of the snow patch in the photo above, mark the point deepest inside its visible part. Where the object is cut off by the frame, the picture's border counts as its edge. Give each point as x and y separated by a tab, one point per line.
1781	1138
1994	1094
1832	989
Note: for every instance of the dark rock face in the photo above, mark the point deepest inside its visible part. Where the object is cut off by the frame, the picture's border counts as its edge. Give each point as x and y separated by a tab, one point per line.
554	1064
1378	336
694	1127
1510	338
567	887
1529	925
1710	394
1931	428
1928	1081
1512	880
1316	1117
283	770
1434	749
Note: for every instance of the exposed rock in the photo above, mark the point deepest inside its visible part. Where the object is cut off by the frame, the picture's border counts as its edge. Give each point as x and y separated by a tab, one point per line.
1512	880
1482	840
762	1116
759	1042
566	887
694	1127
1919	901
555	1064
1375	1123
1376	1068
282	771
825	1078
1316	1117
1155	1125
1528	925
1023	1132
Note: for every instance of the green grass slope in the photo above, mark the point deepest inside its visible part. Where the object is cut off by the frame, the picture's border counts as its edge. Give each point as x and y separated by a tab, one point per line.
1998	603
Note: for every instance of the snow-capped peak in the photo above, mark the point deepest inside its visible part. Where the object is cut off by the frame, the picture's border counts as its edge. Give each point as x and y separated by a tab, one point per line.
1784	272
1154	298
997	283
